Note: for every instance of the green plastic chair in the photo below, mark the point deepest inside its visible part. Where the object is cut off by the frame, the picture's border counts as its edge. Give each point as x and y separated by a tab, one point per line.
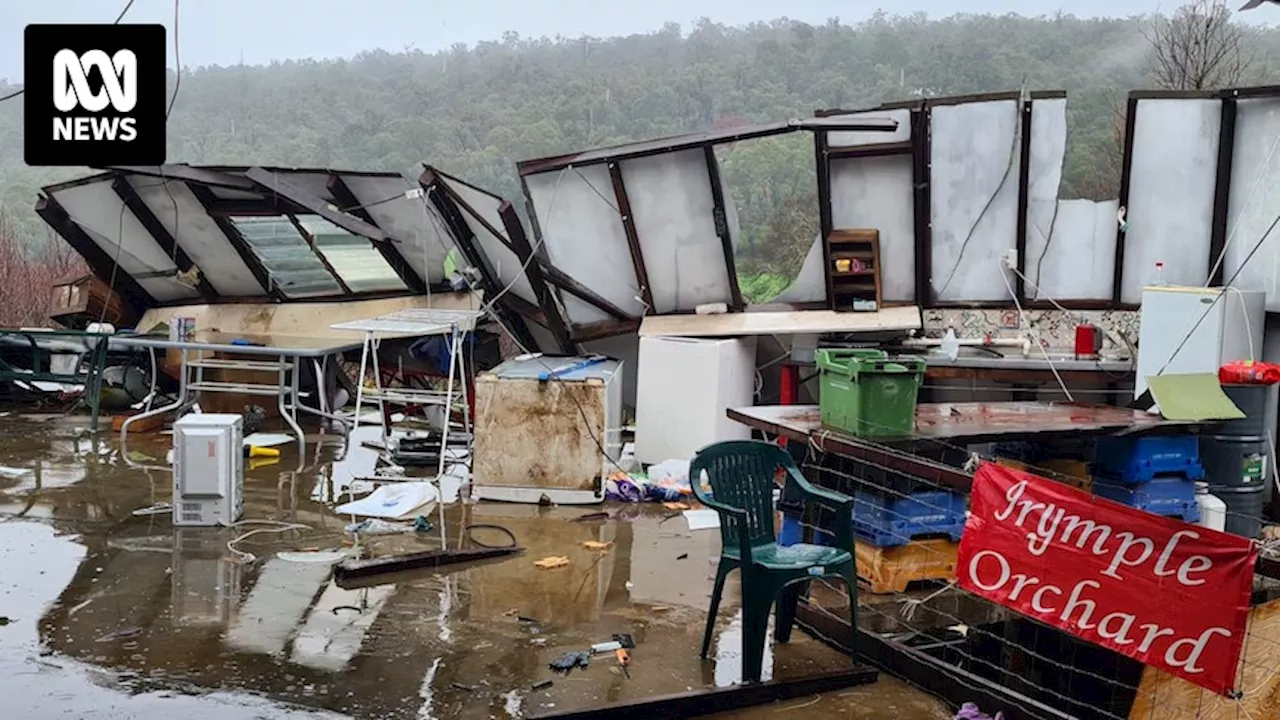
742	477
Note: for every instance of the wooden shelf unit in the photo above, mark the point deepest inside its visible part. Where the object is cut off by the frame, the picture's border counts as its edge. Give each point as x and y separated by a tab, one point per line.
853	268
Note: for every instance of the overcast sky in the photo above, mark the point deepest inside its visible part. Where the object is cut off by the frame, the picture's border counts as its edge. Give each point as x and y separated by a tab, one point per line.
221	32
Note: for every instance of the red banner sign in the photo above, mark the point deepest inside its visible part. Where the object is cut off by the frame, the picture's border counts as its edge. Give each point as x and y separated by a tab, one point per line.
1161	591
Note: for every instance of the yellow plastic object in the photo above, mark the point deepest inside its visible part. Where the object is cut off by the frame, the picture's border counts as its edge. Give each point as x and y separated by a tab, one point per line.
255	463
890	570
263	452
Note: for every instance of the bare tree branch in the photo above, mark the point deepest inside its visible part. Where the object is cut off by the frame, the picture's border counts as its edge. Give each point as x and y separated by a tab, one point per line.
1199	47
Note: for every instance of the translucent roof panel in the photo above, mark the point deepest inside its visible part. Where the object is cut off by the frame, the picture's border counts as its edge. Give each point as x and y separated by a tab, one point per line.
288	258
354	258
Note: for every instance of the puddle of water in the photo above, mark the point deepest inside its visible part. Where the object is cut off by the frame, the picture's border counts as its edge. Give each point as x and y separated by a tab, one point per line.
119	615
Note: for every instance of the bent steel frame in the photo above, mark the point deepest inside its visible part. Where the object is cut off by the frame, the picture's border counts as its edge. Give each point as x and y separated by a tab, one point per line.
621	321
221	194
920	148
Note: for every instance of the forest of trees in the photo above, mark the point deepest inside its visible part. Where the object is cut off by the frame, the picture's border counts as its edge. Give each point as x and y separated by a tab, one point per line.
475	111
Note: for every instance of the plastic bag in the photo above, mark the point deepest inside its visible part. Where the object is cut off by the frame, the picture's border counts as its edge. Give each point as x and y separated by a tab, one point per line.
1249	372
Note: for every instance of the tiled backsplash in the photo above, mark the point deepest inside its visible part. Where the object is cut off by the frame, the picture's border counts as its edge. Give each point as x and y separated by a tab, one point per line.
1054	328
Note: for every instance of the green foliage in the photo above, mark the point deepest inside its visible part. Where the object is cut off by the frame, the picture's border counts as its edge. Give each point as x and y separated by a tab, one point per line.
763	287
475	111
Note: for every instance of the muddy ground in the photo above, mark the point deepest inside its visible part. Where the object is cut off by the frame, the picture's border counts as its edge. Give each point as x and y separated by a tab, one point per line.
107	614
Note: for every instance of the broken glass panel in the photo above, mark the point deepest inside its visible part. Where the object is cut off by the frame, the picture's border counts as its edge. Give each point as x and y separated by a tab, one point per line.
354	258
287	256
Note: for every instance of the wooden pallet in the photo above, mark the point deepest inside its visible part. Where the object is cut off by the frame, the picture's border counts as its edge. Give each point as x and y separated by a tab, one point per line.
890	570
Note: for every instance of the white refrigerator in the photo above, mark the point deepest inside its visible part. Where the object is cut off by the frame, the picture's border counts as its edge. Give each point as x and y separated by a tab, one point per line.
683	387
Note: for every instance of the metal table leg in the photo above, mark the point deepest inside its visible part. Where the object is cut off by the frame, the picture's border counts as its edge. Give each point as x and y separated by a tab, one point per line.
175	405
286	386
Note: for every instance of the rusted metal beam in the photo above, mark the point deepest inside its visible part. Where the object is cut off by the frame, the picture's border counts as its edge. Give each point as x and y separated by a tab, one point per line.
557	323
99	261
272	182
163	238
633	238
341	192
561	280
697	703
722	227
239	244
439	197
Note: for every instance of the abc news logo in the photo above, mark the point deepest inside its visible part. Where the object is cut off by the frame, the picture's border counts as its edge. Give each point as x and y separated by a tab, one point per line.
71	91
95	95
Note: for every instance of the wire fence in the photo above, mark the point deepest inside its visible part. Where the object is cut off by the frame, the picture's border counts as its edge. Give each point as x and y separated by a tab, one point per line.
1034	660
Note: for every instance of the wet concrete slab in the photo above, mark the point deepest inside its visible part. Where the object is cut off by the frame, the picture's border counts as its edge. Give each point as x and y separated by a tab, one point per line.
116	615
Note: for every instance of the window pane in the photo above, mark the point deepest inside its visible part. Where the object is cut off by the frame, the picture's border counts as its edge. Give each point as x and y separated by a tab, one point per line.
356	261
289	260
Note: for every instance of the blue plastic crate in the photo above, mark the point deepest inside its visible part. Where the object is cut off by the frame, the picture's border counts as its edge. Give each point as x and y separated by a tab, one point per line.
1170	497
889	521
1144	459
792	531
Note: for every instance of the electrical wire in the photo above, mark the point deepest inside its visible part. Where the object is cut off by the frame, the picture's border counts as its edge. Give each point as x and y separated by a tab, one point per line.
177	57
1253	251
1022	317
1008	171
272	526
119	17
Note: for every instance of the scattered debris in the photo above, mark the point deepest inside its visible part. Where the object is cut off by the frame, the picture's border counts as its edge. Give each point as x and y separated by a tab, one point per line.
592	517
375	526
970	711
5	620
624	660
159	508
625	640
139	457
464	688
675	505
526	619
570	660
596	545
552	562
542	685
350	570
682	556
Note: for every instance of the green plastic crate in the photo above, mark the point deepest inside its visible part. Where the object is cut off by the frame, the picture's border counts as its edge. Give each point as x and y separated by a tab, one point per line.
868	394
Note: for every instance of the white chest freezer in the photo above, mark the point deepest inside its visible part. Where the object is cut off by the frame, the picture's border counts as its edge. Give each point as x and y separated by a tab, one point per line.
547	426
208	469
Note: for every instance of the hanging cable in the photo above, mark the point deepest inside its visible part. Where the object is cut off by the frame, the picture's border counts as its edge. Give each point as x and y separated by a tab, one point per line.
177	58
119	17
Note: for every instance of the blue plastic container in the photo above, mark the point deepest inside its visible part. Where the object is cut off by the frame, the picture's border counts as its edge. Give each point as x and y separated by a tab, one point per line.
1144	459
1170	497
888	520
